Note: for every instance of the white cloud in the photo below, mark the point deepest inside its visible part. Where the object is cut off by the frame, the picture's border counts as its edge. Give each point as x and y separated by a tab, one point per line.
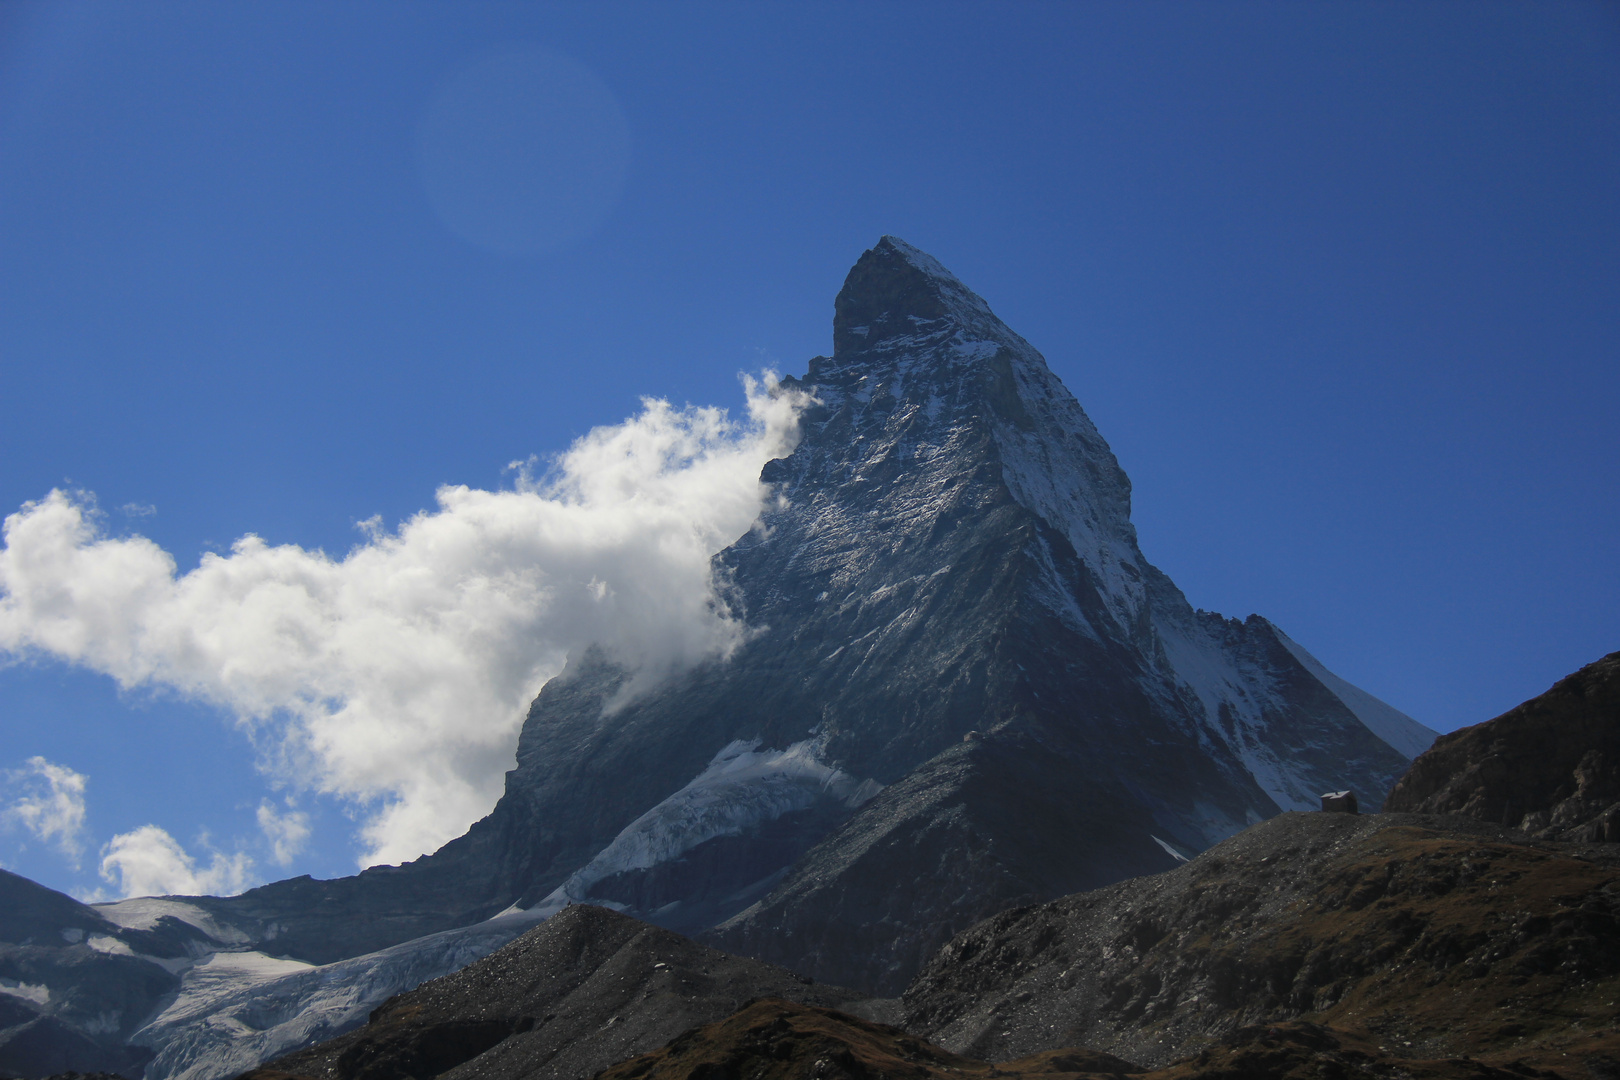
149	862
50	804
398	675
286	832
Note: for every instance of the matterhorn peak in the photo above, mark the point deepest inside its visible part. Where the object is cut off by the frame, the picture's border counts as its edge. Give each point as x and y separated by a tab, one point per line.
898	291
964	688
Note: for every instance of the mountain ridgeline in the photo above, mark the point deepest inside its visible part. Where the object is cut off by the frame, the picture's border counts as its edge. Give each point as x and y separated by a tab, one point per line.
964	690
950	604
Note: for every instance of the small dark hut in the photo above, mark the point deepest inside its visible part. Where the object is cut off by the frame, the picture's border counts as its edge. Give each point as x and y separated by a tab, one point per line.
1339	802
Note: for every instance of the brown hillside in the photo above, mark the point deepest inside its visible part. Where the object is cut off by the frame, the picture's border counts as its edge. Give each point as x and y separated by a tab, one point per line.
778	1040
1430	937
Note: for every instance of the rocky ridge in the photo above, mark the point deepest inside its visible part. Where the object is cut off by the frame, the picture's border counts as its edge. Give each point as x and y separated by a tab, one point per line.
1550	767
78	981
953	612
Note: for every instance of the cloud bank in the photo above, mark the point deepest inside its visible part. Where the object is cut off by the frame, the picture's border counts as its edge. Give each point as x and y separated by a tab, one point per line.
48	802
149	862
397	676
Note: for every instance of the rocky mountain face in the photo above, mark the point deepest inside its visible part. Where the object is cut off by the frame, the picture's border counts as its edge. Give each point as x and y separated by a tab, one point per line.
1309	945
953	613
72	987
963	671
158	986
774	1038
965	689
1427	936
1550	766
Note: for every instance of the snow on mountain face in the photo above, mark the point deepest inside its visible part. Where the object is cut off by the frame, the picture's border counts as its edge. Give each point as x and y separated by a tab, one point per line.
158	986
1296	728
238	1009
147	912
951	552
962	366
77	981
741	788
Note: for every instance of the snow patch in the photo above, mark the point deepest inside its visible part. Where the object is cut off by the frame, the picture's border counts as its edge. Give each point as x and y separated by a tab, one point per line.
1074	484
1215	681
971	350
1172	852
143	913
37	993
221	976
741	787
241	1009
111	946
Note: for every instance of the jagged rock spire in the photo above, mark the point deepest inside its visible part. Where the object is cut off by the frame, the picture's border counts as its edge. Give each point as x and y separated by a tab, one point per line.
892	290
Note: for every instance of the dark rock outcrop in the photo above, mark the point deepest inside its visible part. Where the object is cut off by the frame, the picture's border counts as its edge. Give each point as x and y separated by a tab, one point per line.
1550	766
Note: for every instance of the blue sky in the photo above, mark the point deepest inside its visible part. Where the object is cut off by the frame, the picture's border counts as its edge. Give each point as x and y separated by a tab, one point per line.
1340	283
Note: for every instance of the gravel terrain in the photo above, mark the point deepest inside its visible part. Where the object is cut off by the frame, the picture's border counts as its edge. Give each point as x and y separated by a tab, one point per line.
778	1040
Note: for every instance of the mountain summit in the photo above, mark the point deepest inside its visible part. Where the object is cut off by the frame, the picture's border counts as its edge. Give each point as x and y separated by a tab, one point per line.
964	689
894	287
